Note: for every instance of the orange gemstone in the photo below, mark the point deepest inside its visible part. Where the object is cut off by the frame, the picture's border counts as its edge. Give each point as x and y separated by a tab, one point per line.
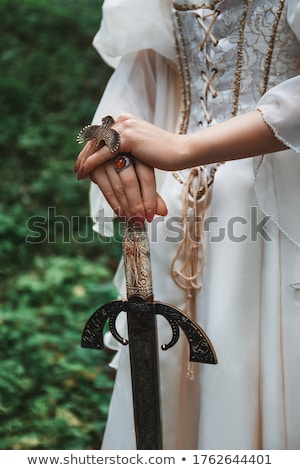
120	163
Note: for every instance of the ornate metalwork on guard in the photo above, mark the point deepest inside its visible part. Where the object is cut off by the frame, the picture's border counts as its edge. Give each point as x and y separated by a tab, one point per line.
142	336
200	347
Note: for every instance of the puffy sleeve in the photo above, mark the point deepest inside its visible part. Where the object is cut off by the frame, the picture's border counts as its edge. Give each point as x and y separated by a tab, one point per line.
293	16
137	39
280	106
277	175
131	25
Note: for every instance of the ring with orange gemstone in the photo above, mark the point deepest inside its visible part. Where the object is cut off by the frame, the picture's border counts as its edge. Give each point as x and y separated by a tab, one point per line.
122	161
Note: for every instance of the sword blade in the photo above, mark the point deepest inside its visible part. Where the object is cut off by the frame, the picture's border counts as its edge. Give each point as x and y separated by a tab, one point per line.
144	376
142	335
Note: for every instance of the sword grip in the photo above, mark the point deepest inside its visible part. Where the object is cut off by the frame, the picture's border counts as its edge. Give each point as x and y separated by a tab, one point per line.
137	264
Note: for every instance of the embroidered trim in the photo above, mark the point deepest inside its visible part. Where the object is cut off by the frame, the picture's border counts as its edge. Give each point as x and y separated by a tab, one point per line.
185	82
184	79
239	65
193	6
271	47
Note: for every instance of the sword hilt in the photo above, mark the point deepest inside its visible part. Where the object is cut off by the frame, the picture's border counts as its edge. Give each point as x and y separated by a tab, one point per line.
137	264
142	332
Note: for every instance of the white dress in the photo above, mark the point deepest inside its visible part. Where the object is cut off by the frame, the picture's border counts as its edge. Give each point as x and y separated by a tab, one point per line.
233	56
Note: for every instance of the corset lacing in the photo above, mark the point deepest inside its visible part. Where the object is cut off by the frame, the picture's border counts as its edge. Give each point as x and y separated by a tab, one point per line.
188	264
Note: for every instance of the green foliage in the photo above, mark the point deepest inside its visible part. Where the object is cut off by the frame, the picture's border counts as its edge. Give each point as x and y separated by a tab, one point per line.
53	394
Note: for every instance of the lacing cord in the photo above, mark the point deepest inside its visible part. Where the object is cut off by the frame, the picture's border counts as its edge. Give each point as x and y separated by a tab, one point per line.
188	263
190	255
207	29
188	277
208	81
205	110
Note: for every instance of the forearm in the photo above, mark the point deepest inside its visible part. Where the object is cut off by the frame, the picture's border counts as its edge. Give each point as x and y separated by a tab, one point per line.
242	136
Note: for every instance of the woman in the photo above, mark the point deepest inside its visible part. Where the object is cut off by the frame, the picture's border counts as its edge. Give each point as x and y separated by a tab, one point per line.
239	64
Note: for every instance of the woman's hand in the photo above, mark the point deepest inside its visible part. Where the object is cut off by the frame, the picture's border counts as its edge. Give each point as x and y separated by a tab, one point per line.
145	141
131	192
240	137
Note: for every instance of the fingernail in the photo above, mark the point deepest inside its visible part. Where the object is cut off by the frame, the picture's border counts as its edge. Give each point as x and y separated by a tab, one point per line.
137	221
80	174
150	215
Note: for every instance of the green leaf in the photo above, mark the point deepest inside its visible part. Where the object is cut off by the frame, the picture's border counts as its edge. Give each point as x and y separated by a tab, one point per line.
54	270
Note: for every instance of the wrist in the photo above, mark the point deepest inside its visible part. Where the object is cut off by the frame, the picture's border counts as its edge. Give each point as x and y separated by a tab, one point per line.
191	153
180	157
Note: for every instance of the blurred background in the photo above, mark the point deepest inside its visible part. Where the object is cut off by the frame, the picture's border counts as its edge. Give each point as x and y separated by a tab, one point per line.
55	271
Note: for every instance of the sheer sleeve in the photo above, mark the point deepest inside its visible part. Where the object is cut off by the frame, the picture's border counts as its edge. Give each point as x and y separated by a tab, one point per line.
131	25
136	38
280	108
293	12
277	175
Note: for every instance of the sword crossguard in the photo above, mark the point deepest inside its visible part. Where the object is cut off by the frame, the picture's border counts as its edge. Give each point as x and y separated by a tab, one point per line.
201	348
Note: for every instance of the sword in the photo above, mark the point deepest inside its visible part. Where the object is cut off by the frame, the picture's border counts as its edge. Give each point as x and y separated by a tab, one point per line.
141	312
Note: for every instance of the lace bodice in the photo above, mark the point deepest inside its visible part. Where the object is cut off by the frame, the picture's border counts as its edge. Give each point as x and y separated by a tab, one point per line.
230	54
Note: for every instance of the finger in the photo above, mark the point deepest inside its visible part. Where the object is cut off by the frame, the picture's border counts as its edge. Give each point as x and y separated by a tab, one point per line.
89	148
93	160
153	202
161	208
99	176
133	193
119	191
147	181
